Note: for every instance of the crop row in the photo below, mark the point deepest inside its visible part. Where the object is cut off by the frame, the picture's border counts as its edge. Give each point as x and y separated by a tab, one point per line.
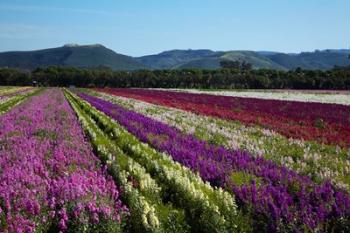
49	178
289	118
279	198
330	97
7	102
6	91
320	162
161	194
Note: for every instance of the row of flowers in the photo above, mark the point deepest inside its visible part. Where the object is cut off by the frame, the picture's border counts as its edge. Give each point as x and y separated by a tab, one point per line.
320	162
15	93
17	99
278	196
152	179
290	118
330	97
8	91
49	178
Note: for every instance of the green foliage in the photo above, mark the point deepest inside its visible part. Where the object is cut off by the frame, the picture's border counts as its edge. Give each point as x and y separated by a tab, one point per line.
44	133
319	123
188	78
242	178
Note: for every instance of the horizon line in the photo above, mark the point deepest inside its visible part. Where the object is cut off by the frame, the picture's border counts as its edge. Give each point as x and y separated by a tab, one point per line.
174	49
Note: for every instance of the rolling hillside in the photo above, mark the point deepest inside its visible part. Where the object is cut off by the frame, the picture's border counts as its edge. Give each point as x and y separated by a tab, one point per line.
207	59
322	60
176	58
91	56
87	56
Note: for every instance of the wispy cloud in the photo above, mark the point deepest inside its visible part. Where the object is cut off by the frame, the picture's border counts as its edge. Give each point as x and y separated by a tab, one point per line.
21	31
25	8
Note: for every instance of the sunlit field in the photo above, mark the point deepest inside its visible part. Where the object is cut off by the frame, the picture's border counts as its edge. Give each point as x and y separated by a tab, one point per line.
179	160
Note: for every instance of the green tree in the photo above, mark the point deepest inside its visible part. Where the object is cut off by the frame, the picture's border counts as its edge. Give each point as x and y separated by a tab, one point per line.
225	63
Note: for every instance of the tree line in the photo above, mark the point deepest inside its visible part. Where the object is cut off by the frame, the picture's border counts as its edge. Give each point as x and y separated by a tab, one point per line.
337	78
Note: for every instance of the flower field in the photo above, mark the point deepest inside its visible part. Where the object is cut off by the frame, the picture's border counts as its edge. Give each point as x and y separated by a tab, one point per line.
290	118
49	177
8	93
143	160
332	97
10	97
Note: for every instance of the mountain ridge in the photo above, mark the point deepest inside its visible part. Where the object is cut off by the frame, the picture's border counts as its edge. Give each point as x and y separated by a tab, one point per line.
69	55
97	55
319	59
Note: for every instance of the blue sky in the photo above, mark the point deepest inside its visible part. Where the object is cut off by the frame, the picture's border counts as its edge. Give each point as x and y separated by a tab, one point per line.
139	27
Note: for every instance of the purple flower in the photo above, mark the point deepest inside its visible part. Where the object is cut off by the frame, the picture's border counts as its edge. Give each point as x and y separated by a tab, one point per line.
281	193
47	165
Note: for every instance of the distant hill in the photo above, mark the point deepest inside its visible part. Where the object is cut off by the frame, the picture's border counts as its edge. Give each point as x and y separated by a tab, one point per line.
91	56
257	60
176	58
213	61
207	59
85	56
201	63
323	60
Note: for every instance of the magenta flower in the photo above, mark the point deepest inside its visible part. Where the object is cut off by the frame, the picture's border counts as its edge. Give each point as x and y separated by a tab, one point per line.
48	172
282	195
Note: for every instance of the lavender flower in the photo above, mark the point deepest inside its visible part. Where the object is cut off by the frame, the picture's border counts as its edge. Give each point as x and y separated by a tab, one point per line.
286	198
48	172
